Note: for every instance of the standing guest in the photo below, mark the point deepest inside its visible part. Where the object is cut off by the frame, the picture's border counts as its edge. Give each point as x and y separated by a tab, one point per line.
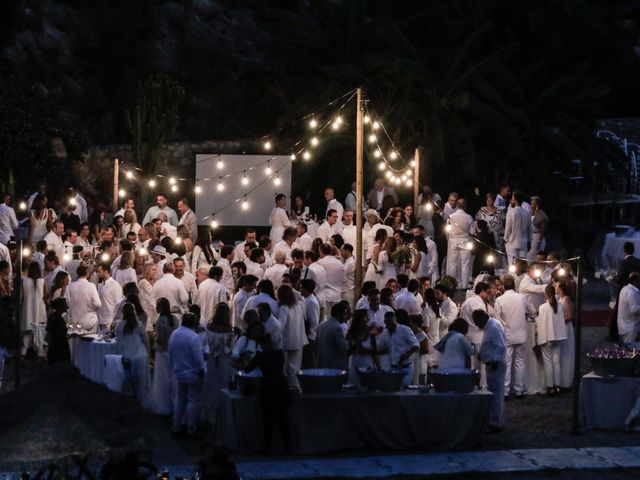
386	268
378	193
362	345
8	220
254	263
132	341
568	346
183	239
450	206
51	267
159	257
210	293
455	350
331	346
629	310
431	321
492	353
478	301
40	219
334	270
294	338
203	255
246	290
265	295
161	207
85	239
110	293
275	272
125	273
349	230
286	245
386	297
84	302
539	225
400	342
406	298
163	391
220	342
312	270
247	345
129	204
433	271
278	219
187	363
351	200
502	199
272	325
98	223
303	239
80	202
517	229
130	223
329	227
458	253
408	218
333	204
34	312
172	289
57	342
376	310
188	218
394	220
249	237
512	310
54	238
448	308
146	297
348	280
373	256
550	334
311	321
494	218
299	211
627	265
60	285
187	279
420	260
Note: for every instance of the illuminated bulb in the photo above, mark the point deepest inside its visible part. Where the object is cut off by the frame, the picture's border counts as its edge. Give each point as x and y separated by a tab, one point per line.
66	257
152	183
377	154
313	123
372	138
198	189
366	119
129	175
315	142
177	241
409	182
490	258
404	178
22	206
142	251
105	257
293	157
245	204
172	181
174	188
72	201
537	273
245	179
512	269
267	145
562	272
268	170
376	125
447	228
388	174
338	120
428	207
409	173
26	252
335	125
122	193
412	163
392	178
214	224
397	181
276	181
469	245
220	164
381	166
306	155
393	155
220	186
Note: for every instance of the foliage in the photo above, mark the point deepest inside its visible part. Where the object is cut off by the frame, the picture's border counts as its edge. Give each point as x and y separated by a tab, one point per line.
450	282
401	256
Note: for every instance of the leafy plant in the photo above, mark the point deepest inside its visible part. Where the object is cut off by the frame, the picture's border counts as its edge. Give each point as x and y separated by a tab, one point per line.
401	256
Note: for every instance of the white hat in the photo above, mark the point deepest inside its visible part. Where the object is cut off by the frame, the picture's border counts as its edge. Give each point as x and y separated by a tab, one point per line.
159	250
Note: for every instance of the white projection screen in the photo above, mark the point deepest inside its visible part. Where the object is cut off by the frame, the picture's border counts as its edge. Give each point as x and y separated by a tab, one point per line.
260	197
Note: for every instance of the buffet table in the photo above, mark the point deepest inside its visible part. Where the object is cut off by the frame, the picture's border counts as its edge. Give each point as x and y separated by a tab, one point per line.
88	356
610	402
348	420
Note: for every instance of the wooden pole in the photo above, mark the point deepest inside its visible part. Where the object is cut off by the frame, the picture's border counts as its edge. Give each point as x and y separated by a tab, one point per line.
578	351
116	185
359	174
416	183
17	285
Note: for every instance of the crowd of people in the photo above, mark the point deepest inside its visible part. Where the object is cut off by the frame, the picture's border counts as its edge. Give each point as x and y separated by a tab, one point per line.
436	293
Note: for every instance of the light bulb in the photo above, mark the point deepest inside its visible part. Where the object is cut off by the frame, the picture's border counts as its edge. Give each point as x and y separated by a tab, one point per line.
142	251
129	175
26	252
306	155
293	157
315	142
335	125
313	123
537	273
409	182
66	257
490	258
393	155
512	269
152	183
376	125
392	178
469	245
562	272
177	241
245	179
372	138
122	193
220	186
276	181
412	163
268	170
388	174
447	227
409	173
174	188
404	178
214	224
366	119
198	189
428	207
382	166
172	180
245	204
377	154
105	257
338	120
267	145
72	201
397	181
22	206
220	164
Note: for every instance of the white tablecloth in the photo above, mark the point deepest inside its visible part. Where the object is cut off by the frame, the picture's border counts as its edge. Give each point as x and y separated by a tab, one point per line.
612	249
89	357
312	228
609	402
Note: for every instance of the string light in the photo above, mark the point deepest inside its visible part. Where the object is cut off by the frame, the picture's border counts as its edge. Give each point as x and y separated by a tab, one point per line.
409	182
174	188
306	155
292	157
105	257
412	163
172	181
26	252
428	207
537	273
267	145
276	181
562	272
447	227
152	183
397	181
142	251
177	241
220	185
404	178
512	268
22	206
66	257
377	154
315	142
376	125
409	173
198	189
122	193
214	224
245	179
313	123
366	119
490	258
72	201
393	155
268	170
335	125
220	164
382	166
372	138
469	245
129	174
245	204
338	120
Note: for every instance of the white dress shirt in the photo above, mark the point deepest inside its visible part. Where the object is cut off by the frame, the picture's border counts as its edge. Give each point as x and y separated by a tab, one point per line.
189	282
173	290
110	293
291	319
512	310
55	244
517	228
84	303
493	347
407	301
448	313
349	279
337	206
376	318
124	276
8	222
305	241
282	246
274	273
254	269
227	275
238	252
237	307
460	222
210	294
471	304
319	275
349	235
397	343
326	231
334	269
311	316
153	212
533	291
629	310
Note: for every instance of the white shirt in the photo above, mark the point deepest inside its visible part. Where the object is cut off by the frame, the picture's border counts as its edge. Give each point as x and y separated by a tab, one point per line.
371	236
376	318
253	302
238	252
55	244
291	318
512	310
493	348
326	231
407	301
397	343
335	274
348	281
319	275
274	273
173	290
84	303
274	328
282	246
254	269
349	235
517	228
448	313
432	269
532	290
8	222
110	293
471	304
227	275
629	310
447	210
305	241
335	205
311	316
500	202
189	282
153	212
124	276
460	222
210	294
237	307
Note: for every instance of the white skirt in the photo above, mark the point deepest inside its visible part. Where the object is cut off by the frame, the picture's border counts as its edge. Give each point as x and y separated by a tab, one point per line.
164	385
567	357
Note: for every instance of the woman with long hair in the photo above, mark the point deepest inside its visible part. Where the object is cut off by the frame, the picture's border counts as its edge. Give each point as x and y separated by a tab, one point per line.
221	340
130	223
59	288
203	256
85	239
125	272
132	343
408	218
495	218
550	334
147	300
40	219
379	239
164	382
97	221
184	235
420	260
362	345
299	211
33	320
294	337
431	321
386	267
564	290
278	218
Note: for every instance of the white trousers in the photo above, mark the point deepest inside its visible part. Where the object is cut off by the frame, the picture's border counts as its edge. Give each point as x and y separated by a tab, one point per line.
551	362
514	378
537	243
478	365
495	384
292	364
459	261
512	253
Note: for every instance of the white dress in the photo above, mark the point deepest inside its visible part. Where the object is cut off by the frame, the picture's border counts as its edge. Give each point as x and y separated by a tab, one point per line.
148	303
34	313
386	270
423	266
124	276
567	357
360	360
39	230
219	371
278	221
133	347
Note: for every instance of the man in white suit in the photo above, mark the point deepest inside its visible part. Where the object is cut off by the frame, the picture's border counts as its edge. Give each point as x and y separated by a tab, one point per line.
188	219
84	301
458	251
517	230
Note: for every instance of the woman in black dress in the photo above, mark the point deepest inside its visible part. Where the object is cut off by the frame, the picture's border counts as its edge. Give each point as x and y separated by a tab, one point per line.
58	345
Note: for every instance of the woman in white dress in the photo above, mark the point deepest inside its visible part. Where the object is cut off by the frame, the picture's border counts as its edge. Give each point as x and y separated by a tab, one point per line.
431	322
299	211
60	284
361	345
278	219
132	344
420	264
130	223
550	334
147	299
568	345
40	219
371	274
203	256
294	337
164	383
386	267
221	340
125	272
84	238
33	320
